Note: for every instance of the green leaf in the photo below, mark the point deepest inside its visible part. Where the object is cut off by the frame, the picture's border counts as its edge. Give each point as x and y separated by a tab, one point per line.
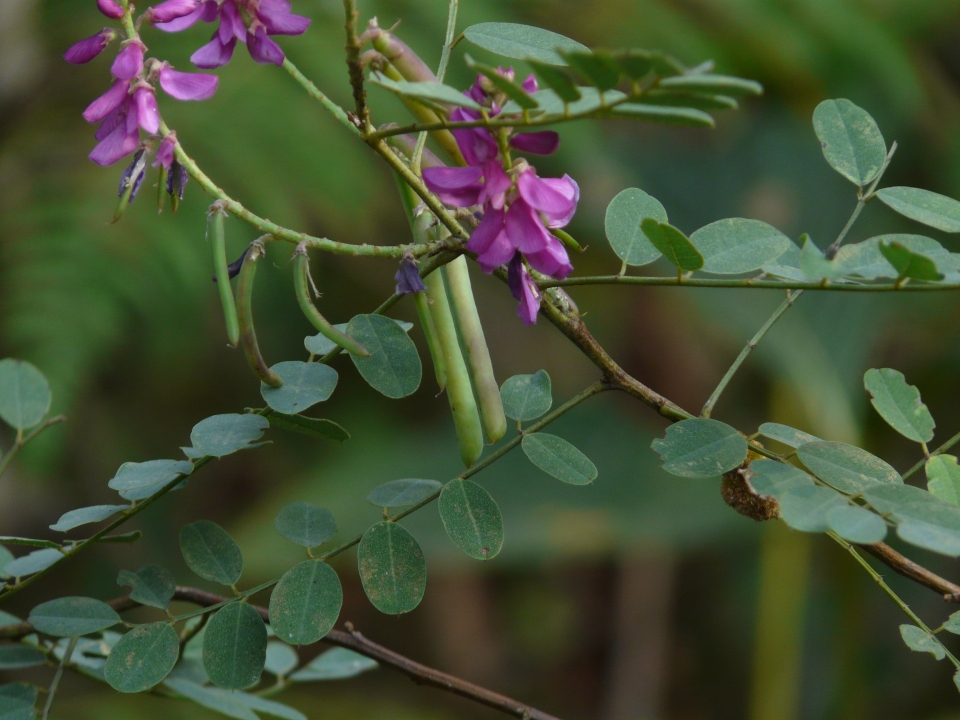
319	344
255	702
314	427
846	467
392	568
637	64
921	641
211	553
815	264
221	435
700	448
943	478
305	524
698	101
20	690
306	602
435	93
225	703
334	664
14	708
507	86
6	557
398	493
72	616
557	80
665	114
17	657
598	68
857	525
521	42
737	245
142	658
866	260
235	646
673	244
709	83
772	478
807	508
24	394
471	518
952	625
281	659
893	498
526	397
304	385
32	562
136	481
393	367
556	457
787	435
83	516
151	585
899	404
930	536
852	143
910	264
930	208
625	213
922	519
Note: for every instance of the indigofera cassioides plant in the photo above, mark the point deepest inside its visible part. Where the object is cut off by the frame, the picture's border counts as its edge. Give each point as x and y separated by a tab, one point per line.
474	195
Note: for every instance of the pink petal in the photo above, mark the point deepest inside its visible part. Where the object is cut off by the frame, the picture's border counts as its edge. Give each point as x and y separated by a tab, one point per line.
495	186
165	151
110	8
499	252
526	231
214	53
183	22
488	230
552	260
538	143
458	186
567	187
172	10
524	289
86	50
188	86
129	62
276	17
110	122
530	84
145	103
231	24
544	196
476	144
115	146
264	50
108	102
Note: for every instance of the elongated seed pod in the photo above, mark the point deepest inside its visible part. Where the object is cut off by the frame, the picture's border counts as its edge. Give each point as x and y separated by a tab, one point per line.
466	417
248	335
433	339
162	189
301	284
215	230
478	356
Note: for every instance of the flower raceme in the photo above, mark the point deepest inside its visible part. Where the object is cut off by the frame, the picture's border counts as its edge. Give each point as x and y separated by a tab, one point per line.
266	18
519	207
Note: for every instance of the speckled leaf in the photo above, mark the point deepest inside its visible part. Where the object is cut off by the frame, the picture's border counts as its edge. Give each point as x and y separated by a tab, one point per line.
526	397
899	404
857	524
700	448
392	568
72	616
846	467
852	143
211	553
919	640
556	457
807	508
142	658
398	493
471	518
943	478
929	208
151	585
235	646
305	603
787	435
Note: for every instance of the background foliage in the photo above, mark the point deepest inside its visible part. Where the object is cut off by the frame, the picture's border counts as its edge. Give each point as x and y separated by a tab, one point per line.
639	575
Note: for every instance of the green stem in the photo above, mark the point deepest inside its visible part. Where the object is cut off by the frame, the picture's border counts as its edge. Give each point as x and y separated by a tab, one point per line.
56	678
441	72
864	199
313	91
672	281
889	591
745	353
22	440
939	451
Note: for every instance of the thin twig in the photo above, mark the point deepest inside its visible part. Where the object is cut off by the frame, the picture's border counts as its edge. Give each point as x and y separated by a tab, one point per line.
68	653
909	569
939	451
354	66
862	201
750	347
22	440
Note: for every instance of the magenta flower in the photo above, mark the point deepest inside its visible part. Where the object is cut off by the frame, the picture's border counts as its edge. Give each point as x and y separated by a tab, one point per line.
129	61
110	8
187	86
165	154
266	18
524	289
86	50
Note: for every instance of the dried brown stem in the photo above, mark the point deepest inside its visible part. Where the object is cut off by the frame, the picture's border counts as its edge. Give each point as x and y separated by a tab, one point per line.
909	569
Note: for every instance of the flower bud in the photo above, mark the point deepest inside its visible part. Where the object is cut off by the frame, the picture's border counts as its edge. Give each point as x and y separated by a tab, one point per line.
130	182
110	8
176	182
408	278
86	50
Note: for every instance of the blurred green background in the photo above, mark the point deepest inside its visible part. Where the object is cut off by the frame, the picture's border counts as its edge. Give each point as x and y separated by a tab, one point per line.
641	596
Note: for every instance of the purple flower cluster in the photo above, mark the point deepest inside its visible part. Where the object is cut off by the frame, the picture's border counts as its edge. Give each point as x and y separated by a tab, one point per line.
131	103
263	19
519	207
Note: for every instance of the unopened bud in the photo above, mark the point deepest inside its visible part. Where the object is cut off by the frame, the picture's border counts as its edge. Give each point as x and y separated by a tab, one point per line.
408	277
130	182
176	182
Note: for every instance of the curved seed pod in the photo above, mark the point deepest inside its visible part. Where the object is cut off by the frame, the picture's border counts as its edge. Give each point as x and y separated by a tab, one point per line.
248	335
566	239
433	339
215	230
301	285
478	356
466	418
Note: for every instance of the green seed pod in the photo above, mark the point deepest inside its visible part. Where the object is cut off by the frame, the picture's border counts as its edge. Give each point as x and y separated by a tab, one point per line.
301	285
162	189
566	239
248	335
466	418
215	231
478	356
433	339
